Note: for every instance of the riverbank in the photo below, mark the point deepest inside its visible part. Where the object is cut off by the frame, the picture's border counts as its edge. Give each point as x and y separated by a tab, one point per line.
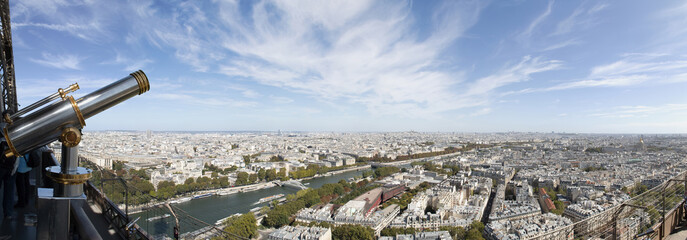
211	209
217	191
234	190
396	163
336	172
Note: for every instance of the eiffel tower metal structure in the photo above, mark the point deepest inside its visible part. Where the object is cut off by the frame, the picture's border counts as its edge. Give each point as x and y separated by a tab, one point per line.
9	87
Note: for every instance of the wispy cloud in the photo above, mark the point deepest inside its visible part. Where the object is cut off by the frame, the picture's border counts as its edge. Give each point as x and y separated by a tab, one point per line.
525	35
563	44
632	69
483	111
348	52
203	101
641	111
65	16
673	22
582	17
281	100
129	64
513	74
245	91
61	61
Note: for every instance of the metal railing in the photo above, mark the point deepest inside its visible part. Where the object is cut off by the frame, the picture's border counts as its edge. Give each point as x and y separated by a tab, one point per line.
114	215
189	227
649	215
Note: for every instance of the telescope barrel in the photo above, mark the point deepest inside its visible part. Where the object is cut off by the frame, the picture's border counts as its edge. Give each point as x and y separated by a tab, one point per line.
113	94
60	93
47	124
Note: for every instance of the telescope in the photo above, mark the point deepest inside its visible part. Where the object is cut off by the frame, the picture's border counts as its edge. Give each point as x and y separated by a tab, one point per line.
59	119
63	120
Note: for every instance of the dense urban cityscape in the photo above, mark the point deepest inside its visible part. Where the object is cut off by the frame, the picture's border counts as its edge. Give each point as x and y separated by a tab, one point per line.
409	185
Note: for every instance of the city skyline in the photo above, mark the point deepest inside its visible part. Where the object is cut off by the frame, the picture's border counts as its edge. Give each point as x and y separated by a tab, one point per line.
590	67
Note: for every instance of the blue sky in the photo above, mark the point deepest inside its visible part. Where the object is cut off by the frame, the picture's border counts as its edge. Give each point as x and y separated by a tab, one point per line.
467	66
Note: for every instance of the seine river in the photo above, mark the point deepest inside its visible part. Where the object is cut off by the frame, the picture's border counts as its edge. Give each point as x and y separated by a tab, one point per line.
214	208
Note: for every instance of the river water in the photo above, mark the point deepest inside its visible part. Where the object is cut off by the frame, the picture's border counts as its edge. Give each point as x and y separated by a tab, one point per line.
214	208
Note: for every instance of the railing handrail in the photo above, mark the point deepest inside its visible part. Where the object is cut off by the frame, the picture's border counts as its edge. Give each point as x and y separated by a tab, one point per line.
614	208
105	203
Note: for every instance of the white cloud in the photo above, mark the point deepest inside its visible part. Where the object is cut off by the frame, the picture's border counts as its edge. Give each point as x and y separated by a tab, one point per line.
563	44
642	111
129	64
673	23
245	91
580	18
61	61
623	67
82	19
525	35
597	7
352	53
517	73
281	100
203	101
483	111
606	82
632	69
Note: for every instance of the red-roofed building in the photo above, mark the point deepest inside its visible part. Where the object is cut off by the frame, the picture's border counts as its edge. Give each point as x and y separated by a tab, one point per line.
371	198
549	204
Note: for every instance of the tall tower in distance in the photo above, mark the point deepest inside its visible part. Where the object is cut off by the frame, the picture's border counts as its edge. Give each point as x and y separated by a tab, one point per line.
641	146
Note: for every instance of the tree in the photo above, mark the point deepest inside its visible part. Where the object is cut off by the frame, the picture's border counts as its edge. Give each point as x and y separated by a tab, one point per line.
392	231
117	165
276	218
253	178
243	225
352	232
456	232
271	175
224	181
241	178
189	181
203	181
262	173
281	173
473	234
368	173
385	171
476	230
164	184
560	207
290	197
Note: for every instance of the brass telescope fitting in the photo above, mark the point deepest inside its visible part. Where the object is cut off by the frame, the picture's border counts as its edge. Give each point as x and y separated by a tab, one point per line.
41	123
71	88
78	176
70	137
142	79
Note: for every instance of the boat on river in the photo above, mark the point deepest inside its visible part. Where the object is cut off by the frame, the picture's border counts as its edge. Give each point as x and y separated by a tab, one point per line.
158	217
180	200
267	199
202	196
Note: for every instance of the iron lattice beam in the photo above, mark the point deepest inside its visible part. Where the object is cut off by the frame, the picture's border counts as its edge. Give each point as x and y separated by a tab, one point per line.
9	87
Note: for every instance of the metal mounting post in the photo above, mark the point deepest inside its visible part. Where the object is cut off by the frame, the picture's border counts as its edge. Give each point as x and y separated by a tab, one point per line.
54	205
